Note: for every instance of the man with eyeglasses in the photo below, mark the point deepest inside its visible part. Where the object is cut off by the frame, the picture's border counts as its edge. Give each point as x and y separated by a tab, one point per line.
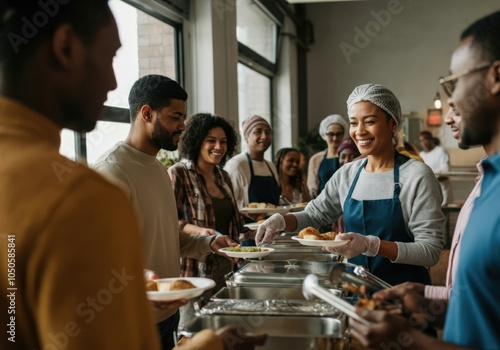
473	313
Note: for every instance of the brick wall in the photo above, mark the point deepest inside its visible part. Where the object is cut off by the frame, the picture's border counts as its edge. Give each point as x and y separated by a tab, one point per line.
156	46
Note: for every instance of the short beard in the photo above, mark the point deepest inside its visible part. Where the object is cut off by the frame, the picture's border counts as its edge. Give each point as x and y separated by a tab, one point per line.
463	145
162	139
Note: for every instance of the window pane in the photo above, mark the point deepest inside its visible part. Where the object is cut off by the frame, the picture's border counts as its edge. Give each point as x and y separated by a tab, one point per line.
256	30
148	47
254	97
67	147
254	93
103	137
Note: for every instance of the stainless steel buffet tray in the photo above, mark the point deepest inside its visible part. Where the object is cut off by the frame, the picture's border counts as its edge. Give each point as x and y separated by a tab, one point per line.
270	307
283	331
280	273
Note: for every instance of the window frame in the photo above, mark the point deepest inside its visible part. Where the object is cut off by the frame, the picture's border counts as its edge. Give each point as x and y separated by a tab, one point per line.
122	115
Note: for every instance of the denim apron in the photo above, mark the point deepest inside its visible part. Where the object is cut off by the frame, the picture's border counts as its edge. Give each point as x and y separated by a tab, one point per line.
262	189
327	168
382	218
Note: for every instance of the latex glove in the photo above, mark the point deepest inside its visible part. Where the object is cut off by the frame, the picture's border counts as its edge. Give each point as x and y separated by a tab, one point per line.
270	229
359	244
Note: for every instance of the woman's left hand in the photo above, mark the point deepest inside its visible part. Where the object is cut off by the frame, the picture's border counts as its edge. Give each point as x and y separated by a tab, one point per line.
358	244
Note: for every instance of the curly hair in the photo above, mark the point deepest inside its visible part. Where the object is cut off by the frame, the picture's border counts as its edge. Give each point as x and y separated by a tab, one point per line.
197	128
298	179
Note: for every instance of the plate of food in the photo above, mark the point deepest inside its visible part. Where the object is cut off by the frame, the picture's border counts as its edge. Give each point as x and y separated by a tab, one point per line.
168	289
312	237
263	208
254	225
246	252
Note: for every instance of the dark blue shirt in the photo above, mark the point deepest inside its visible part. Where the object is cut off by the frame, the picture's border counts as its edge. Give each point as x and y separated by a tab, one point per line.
473	318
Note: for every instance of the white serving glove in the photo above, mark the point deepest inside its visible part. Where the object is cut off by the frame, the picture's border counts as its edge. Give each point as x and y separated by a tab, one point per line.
359	244
270	229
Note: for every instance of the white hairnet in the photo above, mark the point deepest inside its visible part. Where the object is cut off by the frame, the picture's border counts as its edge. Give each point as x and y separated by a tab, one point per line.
332	119
378	95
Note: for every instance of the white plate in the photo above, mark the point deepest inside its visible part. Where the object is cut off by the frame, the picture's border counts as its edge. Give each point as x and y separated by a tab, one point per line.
294	208
202	284
248	255
269	211
252	225
319	242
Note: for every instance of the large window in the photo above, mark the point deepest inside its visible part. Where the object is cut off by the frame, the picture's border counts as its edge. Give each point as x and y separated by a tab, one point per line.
254	93
257	29
149	46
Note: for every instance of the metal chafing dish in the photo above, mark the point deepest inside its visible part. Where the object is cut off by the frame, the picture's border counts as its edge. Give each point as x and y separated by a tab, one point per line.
301	333
271	273
268	301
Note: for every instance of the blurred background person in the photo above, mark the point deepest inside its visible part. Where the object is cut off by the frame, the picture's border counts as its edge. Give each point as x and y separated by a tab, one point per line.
291	176
348	151
254	179
204	196
437	158
324	164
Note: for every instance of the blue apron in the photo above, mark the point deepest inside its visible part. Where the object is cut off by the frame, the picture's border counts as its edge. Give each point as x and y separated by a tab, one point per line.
382	218
327	168
262	189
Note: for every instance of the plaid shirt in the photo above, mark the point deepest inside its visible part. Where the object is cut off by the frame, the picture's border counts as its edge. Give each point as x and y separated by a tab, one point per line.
195	207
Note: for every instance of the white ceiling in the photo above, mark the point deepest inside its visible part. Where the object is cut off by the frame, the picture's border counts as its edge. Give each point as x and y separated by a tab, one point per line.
313	1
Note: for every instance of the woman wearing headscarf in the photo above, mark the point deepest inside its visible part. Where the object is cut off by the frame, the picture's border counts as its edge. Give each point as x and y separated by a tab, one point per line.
391	203
324	164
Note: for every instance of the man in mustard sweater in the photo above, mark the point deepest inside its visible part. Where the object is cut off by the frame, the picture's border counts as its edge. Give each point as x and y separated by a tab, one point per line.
70	258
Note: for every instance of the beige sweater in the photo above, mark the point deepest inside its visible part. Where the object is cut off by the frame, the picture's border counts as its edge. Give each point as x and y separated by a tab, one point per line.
147	184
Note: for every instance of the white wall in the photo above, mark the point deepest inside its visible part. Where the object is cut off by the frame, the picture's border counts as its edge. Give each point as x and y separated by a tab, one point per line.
407	49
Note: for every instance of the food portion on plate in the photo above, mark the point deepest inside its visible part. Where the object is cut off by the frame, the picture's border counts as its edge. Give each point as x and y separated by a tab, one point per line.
246	252
312	237
168	289
261	205
313	234
264	208
165	286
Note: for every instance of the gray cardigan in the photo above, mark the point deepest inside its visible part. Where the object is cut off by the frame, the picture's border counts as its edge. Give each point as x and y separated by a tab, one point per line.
420	198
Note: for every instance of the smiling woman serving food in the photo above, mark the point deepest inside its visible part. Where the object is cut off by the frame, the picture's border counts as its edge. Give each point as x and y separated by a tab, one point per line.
391	203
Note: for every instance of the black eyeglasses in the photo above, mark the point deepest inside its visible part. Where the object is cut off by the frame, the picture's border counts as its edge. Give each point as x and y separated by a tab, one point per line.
448	83
332	134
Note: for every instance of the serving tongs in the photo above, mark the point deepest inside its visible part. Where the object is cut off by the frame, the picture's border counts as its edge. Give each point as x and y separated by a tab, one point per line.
311	289
358	276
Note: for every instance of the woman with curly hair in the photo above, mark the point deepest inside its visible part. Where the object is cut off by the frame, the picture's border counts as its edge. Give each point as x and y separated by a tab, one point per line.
204	195
291	176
